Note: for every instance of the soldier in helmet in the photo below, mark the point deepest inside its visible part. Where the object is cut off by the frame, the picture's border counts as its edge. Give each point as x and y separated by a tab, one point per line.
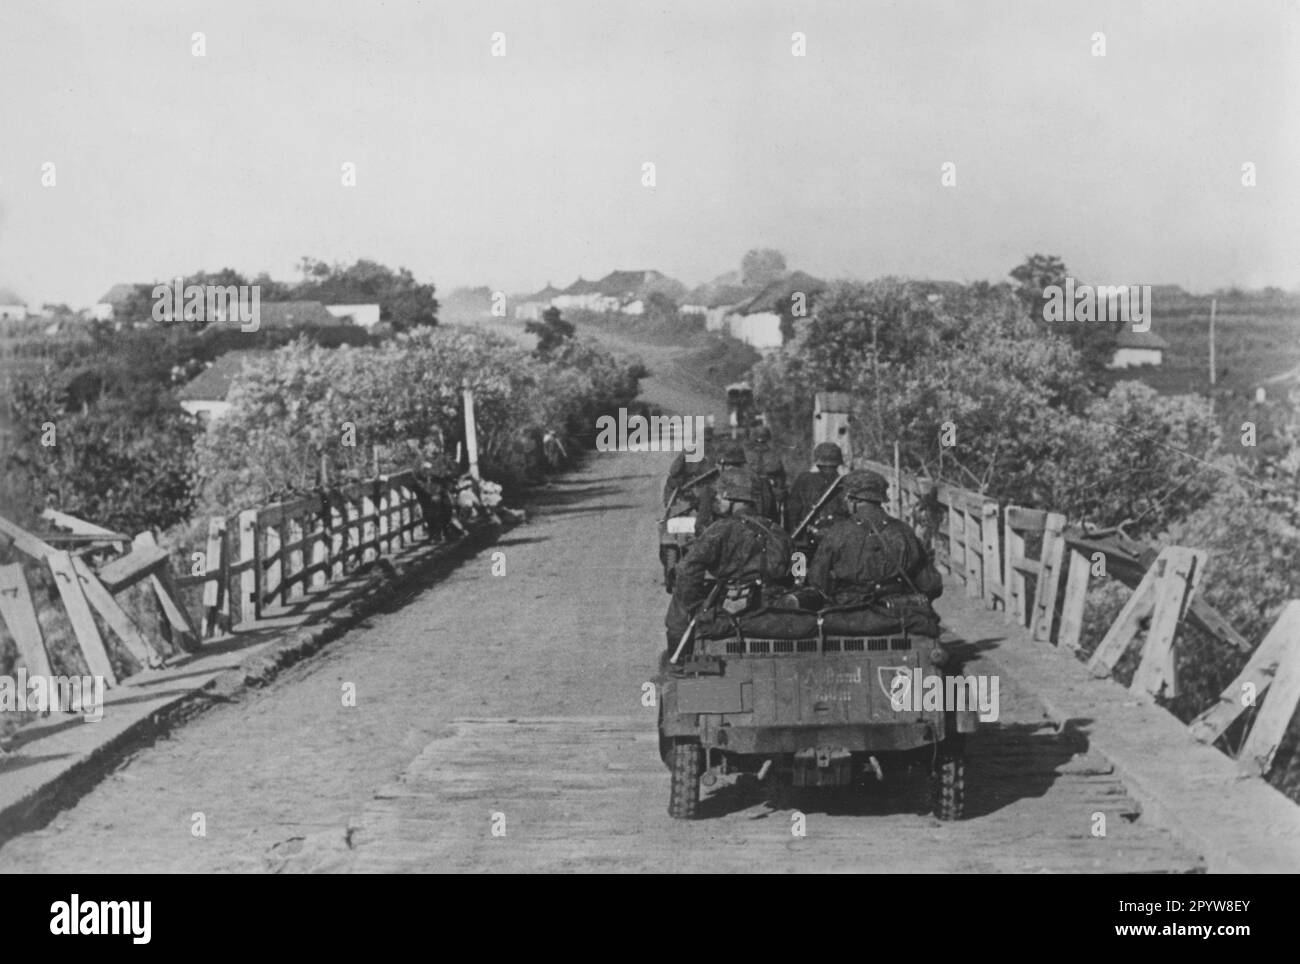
683	472
872	556
808	487
731	456
750	555
766	464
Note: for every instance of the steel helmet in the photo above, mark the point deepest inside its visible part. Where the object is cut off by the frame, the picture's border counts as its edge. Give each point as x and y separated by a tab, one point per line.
828	453
866	486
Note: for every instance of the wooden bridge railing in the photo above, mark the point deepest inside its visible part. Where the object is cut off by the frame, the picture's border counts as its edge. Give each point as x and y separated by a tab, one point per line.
996	551
257	563
267	558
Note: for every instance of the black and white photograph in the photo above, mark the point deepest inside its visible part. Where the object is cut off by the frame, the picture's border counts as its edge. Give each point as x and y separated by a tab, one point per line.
571	437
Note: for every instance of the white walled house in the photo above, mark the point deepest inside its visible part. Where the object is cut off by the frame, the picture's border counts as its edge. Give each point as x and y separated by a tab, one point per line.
12	308
1137	348
758	322
103	309
580	294
367	316
531	307
761	330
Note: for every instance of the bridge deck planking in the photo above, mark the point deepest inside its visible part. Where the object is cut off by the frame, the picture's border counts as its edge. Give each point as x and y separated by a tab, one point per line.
589	795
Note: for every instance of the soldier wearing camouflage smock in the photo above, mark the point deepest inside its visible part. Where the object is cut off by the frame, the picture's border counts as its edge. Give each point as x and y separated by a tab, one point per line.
807	488
683	472
731	457
766	464
741	549
870	555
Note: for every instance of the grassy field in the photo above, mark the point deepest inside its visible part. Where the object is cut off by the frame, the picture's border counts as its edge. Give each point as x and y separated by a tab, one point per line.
1249	348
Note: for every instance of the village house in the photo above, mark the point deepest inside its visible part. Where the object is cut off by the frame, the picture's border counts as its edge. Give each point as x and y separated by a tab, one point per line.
117	295
580	294
12	308
530	307
204	396
367	316
1136	348
758	322
625	291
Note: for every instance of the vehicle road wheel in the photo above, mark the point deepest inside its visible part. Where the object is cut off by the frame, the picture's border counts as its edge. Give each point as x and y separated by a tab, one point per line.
672	556
948	780
686	764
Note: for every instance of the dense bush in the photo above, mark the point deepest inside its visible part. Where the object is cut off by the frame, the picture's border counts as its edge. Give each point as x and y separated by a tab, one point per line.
123	462
301	405
1030	428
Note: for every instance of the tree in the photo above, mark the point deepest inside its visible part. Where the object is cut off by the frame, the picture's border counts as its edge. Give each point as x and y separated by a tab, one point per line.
761	266
552	332
404	303
1095	341
1035	274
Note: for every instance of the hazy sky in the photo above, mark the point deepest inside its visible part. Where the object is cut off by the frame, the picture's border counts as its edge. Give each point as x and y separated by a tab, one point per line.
511	171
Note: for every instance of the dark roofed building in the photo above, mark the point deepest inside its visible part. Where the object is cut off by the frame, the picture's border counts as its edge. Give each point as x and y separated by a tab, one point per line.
626	284
776	295
580	294
530	307
204	396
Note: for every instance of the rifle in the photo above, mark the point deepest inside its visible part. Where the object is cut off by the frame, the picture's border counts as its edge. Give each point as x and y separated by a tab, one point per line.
688	485
812	513
690	627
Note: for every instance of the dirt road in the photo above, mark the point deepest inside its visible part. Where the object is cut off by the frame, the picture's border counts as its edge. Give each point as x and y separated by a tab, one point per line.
513	702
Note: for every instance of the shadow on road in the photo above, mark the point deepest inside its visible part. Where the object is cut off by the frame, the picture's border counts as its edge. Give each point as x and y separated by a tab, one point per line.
1005	764
1012	762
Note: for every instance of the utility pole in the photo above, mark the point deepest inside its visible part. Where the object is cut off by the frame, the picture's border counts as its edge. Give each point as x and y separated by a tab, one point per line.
1214	304
471	433
875	377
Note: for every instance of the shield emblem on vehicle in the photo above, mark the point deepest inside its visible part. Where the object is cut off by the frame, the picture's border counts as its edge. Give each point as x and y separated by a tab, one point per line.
896	683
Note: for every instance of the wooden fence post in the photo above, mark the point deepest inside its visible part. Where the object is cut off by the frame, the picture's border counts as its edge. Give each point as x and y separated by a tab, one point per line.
973	539
1076	595
250	605
80	616
1127	624
1014	547
994	589
273	564
216	591
1183	572
1255	677
1049	576
321	545
956	538
19	614
115	616
164	588
1275	715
